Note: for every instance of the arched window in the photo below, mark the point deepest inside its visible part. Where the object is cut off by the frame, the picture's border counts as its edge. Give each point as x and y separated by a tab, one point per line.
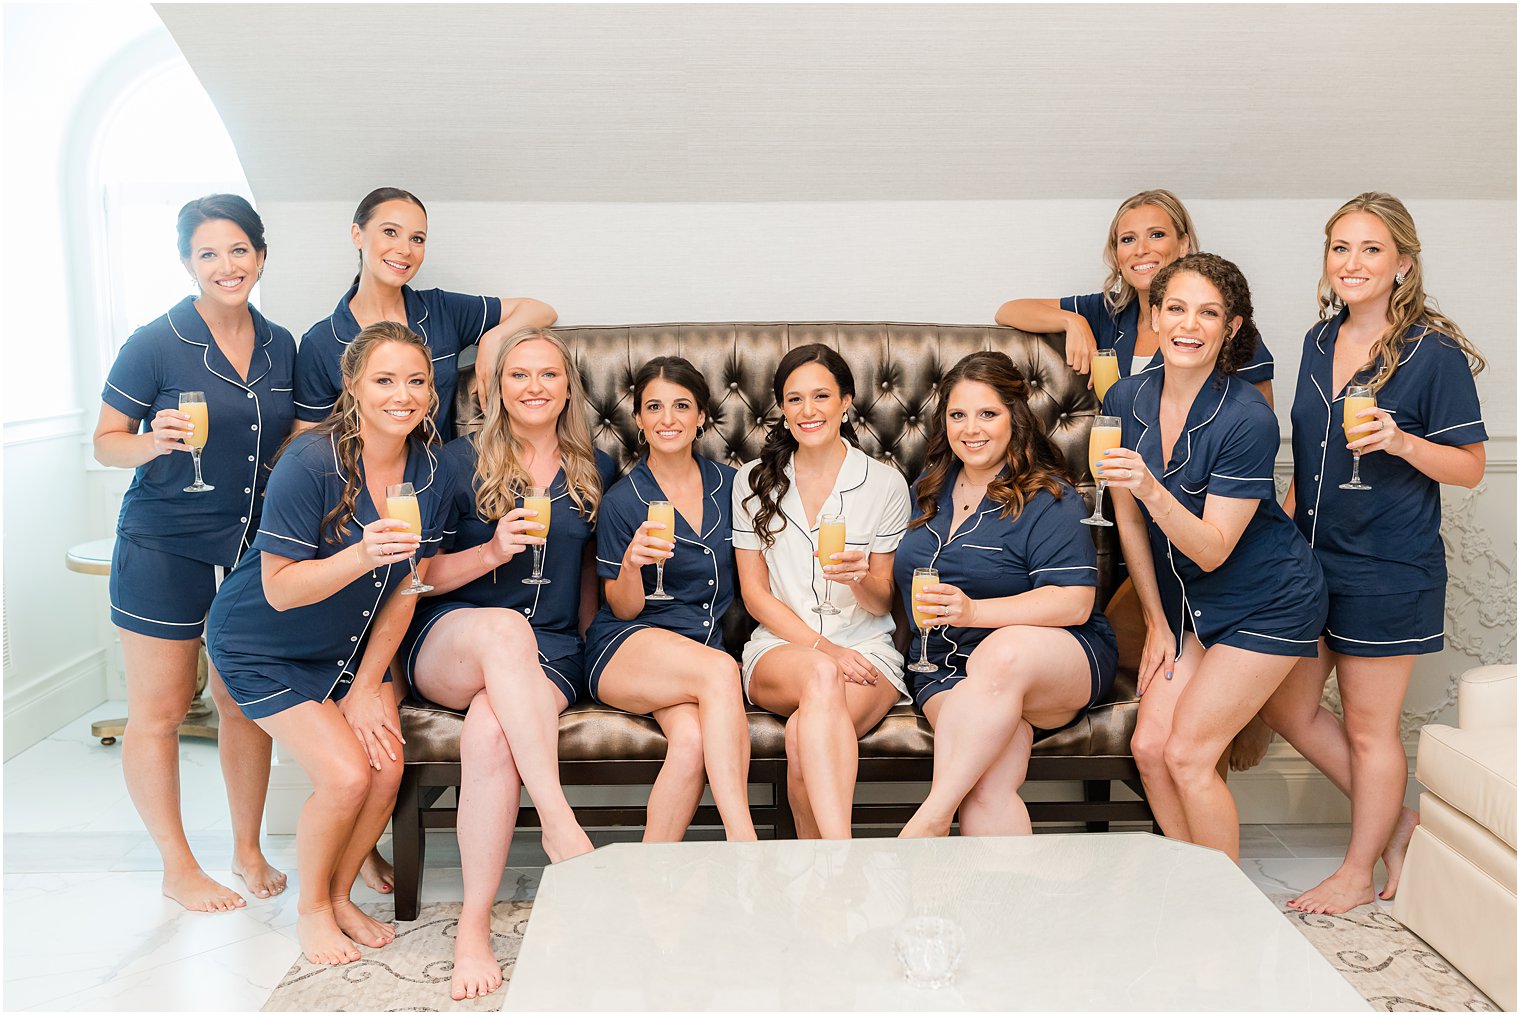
147	141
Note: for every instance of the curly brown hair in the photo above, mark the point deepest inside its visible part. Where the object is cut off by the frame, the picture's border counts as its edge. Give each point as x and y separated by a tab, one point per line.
1034	463
1223	275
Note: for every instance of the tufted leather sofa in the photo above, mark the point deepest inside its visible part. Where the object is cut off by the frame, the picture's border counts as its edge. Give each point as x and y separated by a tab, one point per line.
896	367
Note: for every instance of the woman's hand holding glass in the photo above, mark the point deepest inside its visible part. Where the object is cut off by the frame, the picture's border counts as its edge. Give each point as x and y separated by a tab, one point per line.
1124	469
650	545
944	604
1378	432
170	428
514	534
848	568
387	541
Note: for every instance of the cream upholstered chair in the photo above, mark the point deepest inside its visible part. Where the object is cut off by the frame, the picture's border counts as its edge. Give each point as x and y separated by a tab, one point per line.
1458	887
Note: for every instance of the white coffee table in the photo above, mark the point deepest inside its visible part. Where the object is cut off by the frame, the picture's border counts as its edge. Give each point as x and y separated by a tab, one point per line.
1086	922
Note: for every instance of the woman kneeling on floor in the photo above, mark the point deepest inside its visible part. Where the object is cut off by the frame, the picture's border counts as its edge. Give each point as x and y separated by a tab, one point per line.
1013	644
303	631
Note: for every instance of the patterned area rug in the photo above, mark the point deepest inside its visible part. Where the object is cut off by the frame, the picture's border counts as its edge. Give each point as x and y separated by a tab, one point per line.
1391	967
1387	963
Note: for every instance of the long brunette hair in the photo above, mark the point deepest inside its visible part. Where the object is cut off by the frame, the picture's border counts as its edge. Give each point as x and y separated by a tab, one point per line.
1034	463
1409	305
768	481
500	477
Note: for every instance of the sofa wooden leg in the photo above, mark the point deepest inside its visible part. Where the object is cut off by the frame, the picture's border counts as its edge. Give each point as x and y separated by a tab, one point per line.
408	843
1097	791
786	823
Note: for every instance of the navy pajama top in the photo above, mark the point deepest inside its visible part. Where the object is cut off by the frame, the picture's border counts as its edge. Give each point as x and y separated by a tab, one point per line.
447	322
1388	539
248	421
311	648
1119	333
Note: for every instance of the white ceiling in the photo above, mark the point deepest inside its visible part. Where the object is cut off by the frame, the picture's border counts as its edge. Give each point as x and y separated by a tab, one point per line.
754	102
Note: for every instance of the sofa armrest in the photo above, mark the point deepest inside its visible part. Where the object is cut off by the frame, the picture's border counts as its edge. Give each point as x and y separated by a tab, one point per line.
1486	697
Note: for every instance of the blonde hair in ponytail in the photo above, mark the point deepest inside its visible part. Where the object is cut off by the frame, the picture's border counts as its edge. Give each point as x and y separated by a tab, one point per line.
342	424
1409	305
500	477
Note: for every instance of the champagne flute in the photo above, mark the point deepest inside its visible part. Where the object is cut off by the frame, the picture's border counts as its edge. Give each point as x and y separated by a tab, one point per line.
401	504
922	576
830	542
664	512
193	404
1358	397
1107	432
1105	372
537	500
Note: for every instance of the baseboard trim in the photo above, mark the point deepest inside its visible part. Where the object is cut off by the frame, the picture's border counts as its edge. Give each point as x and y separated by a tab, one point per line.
35	709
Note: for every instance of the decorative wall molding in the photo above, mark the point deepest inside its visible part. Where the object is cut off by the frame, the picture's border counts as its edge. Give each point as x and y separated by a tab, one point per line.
36	707
44	428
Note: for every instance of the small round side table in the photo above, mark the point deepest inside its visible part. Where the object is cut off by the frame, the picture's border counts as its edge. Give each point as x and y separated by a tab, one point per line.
94	557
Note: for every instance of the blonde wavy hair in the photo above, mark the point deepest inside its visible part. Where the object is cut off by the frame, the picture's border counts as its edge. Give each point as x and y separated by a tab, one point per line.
1410	305
500	477
342	424
1118	293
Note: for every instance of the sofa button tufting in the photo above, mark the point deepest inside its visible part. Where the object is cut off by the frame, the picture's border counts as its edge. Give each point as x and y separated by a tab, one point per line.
733	385
886	385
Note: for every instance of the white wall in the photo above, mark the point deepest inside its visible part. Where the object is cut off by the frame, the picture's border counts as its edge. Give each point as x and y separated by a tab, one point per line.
57	632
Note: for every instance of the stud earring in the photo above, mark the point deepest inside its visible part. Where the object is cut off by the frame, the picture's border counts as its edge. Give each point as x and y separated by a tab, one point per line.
1398	279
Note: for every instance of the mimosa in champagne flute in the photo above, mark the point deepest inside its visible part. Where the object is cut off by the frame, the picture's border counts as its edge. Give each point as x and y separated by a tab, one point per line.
922	576
401	504
193	404
1358	397
537	500
1105	372
663	512
830	542
1107	432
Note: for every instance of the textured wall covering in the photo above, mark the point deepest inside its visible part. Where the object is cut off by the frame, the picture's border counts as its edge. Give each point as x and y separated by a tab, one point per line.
830	102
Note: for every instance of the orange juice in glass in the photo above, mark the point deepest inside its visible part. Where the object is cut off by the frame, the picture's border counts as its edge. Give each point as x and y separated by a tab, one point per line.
663	512
537	500
830	542
1105	371
1358	397
193	404
1107	432
401	504
922	576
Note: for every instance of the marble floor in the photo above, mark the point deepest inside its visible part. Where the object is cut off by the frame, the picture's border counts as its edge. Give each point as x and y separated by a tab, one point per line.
86	928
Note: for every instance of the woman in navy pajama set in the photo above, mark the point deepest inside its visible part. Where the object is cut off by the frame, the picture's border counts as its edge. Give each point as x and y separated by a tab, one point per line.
1149	231
1014	632
303	631
666	658
390	233
1381	548
509	654
1231	592
171	546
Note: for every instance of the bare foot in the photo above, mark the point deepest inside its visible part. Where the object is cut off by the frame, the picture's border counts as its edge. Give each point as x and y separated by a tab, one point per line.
1398	845
360	926
1250	745
322	942
198	893
262	880
1341	892
378	873
476	971
923	826
564	844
